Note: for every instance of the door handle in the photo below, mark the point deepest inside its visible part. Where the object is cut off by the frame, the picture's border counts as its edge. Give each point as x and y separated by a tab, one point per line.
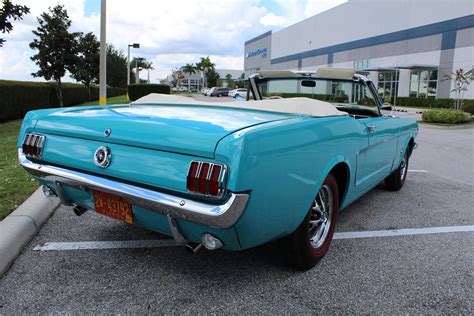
370	128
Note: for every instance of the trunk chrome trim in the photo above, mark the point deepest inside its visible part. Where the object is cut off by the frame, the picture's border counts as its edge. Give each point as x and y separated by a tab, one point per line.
216	215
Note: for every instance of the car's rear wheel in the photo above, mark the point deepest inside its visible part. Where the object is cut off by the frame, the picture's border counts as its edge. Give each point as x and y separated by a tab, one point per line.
396	179
219	95
310	242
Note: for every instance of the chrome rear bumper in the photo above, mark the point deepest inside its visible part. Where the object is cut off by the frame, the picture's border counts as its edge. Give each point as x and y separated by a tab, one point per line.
216	215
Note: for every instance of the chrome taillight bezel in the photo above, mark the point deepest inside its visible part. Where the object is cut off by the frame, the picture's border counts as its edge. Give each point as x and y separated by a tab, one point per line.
221	179
33	150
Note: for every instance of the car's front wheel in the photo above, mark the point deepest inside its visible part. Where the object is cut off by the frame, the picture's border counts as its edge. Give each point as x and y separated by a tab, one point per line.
310	242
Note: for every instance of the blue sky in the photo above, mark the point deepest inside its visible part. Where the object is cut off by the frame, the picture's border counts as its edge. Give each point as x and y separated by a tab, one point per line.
171	33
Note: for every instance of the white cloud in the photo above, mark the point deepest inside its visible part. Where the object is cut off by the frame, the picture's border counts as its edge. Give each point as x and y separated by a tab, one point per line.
271	19
171	33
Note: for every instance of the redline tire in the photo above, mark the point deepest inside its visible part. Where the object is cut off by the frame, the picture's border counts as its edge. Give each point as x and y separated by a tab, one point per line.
300	249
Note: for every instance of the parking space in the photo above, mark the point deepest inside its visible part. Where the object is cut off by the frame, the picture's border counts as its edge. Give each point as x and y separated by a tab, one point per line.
403	273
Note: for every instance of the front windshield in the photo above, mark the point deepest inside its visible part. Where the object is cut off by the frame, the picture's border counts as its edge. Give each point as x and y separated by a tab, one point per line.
347	96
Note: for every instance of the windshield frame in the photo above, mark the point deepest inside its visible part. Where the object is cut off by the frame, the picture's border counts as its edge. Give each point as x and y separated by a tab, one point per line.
255	81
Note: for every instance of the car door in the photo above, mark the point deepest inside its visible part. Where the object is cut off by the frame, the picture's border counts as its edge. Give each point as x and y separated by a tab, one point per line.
383	133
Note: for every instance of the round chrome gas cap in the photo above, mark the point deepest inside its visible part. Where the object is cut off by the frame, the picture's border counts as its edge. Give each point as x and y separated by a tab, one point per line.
102	157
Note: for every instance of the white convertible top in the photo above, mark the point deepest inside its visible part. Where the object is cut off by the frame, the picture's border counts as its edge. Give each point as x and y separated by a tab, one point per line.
304	106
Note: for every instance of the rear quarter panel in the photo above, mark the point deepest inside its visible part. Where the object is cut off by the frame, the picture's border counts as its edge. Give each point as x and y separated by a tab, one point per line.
283	164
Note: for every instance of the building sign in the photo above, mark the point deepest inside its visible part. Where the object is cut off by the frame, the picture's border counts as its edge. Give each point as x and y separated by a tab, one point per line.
259	52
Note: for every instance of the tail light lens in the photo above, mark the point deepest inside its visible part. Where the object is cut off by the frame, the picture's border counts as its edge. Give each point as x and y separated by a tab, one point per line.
33	145
206	178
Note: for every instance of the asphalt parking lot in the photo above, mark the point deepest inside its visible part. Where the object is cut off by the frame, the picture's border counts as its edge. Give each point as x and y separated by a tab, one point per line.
416	273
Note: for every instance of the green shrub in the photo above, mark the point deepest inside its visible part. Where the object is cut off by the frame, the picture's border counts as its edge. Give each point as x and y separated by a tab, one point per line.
136	91
445	116
19	97
469	108
429	102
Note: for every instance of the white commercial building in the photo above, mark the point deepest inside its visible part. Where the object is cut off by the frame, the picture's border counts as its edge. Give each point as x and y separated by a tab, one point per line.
405	46
194	82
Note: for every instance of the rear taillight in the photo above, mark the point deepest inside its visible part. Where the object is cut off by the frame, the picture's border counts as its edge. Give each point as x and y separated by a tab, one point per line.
206	178
33	145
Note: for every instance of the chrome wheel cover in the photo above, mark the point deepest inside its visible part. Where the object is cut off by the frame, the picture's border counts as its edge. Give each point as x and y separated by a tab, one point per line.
321	216
403	168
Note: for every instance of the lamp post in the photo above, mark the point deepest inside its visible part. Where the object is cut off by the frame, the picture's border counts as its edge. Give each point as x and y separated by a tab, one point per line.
102	66
134	45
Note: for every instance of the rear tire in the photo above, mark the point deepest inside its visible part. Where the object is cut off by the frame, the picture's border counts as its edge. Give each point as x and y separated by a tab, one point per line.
310	241
396	179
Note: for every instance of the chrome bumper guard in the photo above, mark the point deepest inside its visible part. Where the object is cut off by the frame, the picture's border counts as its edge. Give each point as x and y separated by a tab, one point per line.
216	215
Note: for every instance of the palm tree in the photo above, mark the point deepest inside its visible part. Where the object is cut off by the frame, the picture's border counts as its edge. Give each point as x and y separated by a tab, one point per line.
148	65
205	65
189	69
138	63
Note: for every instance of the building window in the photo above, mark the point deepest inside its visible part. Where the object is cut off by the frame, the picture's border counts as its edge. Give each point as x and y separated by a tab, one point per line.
423	83
388	84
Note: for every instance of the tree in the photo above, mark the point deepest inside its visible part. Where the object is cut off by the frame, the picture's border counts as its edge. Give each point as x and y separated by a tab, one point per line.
461	81
189	69
212	76
140	63
86	67
9	12
205	66
230	82
175	77
117	68
57	47
148	66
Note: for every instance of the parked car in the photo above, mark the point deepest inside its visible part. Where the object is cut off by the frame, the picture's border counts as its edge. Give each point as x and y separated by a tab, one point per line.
219	92
239	92
209	91
204	90
230	176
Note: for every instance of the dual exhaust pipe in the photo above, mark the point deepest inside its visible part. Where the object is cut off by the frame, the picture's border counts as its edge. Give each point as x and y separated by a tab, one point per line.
209	241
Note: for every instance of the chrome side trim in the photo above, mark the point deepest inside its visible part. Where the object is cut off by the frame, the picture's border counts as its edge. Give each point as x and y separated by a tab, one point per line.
221	215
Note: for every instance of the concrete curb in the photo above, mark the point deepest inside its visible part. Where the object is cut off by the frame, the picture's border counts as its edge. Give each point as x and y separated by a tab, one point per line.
18	228
435	126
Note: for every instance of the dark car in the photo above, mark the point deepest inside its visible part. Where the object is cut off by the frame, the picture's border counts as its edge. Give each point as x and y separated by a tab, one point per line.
220	92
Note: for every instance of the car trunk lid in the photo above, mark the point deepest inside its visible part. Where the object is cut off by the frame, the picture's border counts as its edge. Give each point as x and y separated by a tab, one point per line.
193	130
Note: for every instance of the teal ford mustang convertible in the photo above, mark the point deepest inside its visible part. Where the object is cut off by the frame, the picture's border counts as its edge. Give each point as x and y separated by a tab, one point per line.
229	175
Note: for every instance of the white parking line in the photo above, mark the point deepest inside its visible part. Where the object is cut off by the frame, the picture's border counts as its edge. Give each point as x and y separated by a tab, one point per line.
404	232
130	244
88	245
421	171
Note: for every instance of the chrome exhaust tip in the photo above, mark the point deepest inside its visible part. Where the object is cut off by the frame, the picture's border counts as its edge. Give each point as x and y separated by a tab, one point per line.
192	248
48	192
211	242
79	210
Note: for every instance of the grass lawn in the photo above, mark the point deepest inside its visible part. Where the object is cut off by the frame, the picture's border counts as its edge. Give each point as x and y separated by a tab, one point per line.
15	183
121	99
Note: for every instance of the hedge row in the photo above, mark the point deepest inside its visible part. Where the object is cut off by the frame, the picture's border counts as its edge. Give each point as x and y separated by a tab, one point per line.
19	97
445	116
430	103
468	105
136	91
